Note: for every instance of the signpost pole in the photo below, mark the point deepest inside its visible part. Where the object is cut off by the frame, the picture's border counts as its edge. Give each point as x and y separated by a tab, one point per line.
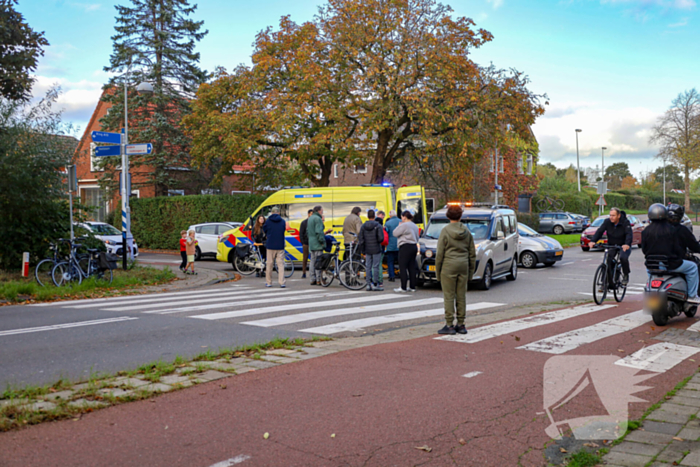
72	185
125	175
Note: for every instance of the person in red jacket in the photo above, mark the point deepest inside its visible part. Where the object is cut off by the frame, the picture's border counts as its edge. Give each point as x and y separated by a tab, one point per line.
183	249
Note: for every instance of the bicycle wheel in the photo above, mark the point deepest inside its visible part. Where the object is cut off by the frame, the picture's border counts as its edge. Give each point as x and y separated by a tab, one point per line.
600	284
558	204
288	268
542	205
42	272
103	277
353	275
620	290
245	266
327	275
66	274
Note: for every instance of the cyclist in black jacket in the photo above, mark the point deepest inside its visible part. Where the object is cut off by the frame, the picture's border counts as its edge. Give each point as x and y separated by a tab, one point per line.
619	232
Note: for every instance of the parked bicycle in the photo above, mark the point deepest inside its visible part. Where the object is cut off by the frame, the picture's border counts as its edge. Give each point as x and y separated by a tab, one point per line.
247	260
550	204
351	272
79	267
608	276
43	270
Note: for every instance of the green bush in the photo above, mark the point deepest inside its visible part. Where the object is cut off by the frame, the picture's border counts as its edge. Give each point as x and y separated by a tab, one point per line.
531	220
575	202
156	222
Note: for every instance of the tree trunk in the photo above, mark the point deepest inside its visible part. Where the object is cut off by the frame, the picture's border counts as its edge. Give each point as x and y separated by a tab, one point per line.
379	166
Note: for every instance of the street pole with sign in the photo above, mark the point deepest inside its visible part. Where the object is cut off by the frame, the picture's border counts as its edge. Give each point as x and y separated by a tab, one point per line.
72	186
578	166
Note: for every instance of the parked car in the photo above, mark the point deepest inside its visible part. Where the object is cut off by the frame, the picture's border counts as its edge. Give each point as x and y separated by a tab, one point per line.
585	221
535	248
208	235
495	236
112	238
587	244
559	223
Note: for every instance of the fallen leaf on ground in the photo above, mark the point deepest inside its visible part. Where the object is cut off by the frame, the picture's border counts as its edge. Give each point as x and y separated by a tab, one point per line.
462	441
677	438
333	435
591	445
517	339
266	435
620	350
563	450
424	448
222	386
691	359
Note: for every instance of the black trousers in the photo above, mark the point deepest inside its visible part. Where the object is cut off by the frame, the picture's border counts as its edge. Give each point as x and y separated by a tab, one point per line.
183	255
624	258
407	265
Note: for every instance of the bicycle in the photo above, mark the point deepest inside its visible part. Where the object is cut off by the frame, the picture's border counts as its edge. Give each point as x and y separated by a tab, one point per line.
253	261
550	204
609	276
351	273
43	270
79	267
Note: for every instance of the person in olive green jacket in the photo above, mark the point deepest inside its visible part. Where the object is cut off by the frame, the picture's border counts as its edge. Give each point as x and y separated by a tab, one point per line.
454	266
317	242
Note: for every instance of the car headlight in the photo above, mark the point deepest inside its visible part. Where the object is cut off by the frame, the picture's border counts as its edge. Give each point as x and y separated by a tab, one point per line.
110	242
428	253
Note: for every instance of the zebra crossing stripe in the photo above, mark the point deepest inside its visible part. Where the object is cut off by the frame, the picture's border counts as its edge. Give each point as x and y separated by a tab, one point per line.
360	324
247	302
229	293
659	357
206	300
53	327
298	318
508	327
298	306
571	340
130	297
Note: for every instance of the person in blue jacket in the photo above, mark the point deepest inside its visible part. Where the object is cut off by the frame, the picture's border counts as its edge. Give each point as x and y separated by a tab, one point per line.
275	228
392	249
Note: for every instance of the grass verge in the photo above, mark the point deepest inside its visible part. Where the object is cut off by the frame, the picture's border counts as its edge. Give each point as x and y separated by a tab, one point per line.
31	405
16	289
567	240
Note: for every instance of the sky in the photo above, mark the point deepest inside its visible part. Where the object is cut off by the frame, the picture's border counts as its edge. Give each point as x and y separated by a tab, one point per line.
608	67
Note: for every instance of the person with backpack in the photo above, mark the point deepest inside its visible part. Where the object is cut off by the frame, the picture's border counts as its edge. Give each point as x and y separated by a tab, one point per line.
370	239
392	248
304	238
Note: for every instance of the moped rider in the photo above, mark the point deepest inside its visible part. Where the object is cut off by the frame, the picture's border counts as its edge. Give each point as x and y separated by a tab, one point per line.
664	238
619	232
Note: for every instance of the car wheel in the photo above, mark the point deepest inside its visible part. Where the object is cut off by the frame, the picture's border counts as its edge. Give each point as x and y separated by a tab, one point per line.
486	280
586	248
513	274
558	230
197	254
528	259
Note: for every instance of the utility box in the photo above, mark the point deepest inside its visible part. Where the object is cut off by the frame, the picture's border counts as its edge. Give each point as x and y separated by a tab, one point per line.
602	188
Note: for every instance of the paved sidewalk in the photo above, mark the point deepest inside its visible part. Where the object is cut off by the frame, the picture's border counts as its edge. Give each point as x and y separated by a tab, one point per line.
669	435
204	277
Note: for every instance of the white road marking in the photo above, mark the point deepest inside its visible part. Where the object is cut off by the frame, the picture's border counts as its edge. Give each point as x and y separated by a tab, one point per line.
695	327
472	374
568	262
299	306
359	324
610	293
584	260
232	461
298	318
571	340
130	297
659	357
209	300
118	301
157	261
508	327
53	327
569	279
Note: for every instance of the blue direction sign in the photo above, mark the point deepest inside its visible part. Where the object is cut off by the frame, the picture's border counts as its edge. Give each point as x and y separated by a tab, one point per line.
104	137
102	151
136	149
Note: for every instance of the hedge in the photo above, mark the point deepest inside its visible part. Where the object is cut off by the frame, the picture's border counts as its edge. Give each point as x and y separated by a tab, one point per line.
156	222
577	203
531	220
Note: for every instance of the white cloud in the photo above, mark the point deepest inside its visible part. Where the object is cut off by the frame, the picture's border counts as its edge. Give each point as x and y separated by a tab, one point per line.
498	3
680	24
77	100
87	7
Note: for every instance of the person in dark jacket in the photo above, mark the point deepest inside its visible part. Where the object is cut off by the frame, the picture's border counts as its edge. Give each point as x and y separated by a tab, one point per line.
392	249
304	237
317	242
275	228
370	239
619	232
455	263
663	238
259	239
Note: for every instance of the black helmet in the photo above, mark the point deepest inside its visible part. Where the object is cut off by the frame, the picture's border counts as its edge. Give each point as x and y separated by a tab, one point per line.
675	212
657	212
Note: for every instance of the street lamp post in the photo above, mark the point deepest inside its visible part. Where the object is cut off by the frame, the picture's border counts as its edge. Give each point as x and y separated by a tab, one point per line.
145	89
578	166
664	159
602	174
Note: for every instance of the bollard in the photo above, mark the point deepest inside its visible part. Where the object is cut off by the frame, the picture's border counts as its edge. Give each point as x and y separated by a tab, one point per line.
25	264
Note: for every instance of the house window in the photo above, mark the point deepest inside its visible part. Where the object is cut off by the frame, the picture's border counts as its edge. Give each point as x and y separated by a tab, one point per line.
530	162
93	159
335	170
176	192
501	161
240	192
520	165
360	169
94	198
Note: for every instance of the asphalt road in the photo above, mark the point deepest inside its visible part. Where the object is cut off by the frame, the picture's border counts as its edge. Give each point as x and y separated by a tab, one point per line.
39	344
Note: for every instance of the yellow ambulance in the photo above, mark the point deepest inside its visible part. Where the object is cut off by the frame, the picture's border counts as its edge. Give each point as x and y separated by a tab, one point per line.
295	202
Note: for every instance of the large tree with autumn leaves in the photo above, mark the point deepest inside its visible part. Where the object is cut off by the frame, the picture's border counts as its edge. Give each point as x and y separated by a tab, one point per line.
366	80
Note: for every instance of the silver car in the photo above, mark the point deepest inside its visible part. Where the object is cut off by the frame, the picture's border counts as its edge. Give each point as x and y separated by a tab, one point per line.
495	232
535	248
559	223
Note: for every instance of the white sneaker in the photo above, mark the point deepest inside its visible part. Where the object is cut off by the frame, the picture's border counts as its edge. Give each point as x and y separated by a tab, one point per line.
411	290
694	299
399	290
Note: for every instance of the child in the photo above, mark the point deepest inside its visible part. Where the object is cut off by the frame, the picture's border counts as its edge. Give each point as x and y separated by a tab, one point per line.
183	249
190	248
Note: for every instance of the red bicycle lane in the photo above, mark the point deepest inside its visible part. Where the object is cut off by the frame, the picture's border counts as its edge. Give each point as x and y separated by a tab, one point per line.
405	403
